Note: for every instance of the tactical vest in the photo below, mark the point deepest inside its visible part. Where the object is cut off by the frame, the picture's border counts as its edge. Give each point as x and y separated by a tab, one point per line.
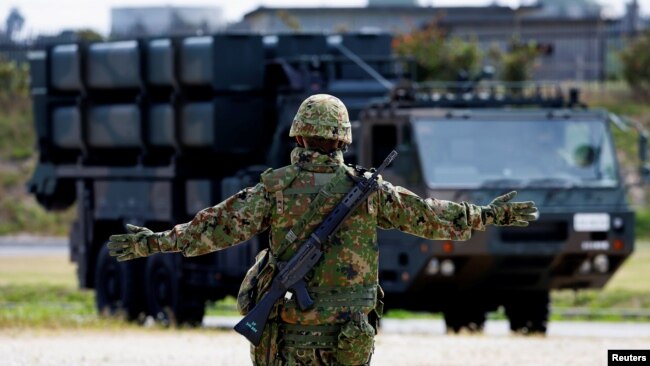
344	285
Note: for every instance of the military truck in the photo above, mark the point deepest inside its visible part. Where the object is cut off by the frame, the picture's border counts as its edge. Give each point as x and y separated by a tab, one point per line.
150	131
470	145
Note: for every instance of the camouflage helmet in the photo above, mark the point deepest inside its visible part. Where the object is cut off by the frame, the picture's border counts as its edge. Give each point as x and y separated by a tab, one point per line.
322	115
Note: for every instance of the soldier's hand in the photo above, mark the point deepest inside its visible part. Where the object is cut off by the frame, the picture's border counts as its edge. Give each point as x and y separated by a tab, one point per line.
139	242
501	212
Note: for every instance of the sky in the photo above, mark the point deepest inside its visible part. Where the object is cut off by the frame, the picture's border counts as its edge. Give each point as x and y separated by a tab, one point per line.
51	16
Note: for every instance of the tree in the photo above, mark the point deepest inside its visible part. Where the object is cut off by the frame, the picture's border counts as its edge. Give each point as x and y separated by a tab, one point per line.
14	23
517	64
89	35
438	57
14	81
636	66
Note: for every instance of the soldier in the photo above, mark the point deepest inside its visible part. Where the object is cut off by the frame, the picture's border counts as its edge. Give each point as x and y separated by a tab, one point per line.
339	329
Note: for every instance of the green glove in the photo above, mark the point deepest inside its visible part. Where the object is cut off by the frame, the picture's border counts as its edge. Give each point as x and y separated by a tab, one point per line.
140	242
500	212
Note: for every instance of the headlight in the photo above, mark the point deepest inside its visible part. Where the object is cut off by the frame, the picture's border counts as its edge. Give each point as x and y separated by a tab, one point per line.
585	267
618	223
601	263
447	267
433	267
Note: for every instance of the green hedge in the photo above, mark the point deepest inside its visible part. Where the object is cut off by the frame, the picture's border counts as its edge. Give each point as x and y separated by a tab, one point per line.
643	223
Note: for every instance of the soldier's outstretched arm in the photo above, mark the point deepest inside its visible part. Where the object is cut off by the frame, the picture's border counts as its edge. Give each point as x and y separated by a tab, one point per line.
434	219
236	219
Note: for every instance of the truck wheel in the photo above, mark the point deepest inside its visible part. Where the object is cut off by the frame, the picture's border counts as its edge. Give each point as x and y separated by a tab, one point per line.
528	312
118	287
459	318
167	301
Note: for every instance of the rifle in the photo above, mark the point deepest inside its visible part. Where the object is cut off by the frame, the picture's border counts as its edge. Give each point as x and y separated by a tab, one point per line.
291	274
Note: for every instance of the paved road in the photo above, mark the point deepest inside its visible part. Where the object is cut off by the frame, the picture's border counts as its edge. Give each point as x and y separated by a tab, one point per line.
144	347
492	327
29	245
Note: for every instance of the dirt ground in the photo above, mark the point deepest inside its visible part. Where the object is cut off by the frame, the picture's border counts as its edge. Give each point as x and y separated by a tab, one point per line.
217	347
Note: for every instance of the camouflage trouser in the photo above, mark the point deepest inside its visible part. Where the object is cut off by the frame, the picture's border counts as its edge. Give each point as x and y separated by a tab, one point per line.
324	345
309	357
291	356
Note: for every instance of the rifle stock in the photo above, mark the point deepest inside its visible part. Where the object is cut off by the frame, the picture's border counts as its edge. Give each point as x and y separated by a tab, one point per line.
252	325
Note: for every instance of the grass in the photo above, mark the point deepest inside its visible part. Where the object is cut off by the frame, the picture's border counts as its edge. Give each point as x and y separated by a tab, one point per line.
23	214
635	274
643	223
50	306
225	307
50	271
41	292
405	314
17	137
19	211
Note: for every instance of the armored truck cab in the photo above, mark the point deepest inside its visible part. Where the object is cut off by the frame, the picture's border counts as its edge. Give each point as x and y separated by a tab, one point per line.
561	158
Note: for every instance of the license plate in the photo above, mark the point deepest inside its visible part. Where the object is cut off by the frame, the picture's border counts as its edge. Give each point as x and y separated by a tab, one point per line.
591	222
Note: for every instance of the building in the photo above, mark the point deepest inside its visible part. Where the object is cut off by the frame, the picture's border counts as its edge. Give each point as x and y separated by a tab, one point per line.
574	35
165	20
372	3
631	22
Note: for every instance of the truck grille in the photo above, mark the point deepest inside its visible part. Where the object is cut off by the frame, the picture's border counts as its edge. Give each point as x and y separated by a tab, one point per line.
544	231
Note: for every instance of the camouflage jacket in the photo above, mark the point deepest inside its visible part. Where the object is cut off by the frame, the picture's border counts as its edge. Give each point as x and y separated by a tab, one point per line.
350	259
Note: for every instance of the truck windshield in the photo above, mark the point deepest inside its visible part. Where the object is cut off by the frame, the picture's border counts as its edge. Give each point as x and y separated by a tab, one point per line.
542	153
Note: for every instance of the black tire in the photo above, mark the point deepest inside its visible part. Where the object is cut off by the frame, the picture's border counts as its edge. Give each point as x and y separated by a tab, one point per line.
119	287
528	312
168	301
460	316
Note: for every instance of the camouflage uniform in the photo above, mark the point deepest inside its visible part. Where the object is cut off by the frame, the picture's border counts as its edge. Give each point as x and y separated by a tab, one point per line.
340	328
